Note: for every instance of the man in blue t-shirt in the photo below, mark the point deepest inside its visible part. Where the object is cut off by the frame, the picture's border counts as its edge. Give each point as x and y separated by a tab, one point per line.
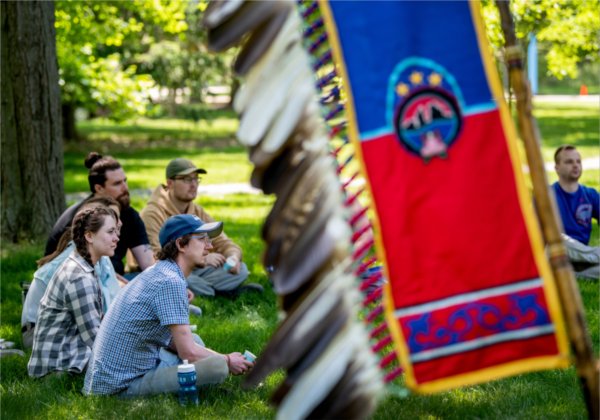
577	205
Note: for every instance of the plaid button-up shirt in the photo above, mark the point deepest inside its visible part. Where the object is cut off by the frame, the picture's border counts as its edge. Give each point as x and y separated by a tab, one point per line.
68	319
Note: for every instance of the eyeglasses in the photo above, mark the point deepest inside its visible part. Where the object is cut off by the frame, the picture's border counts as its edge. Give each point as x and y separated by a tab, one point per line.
188	179
204	238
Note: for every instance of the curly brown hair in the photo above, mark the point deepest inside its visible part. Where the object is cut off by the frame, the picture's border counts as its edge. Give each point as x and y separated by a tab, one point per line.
170	250
89	220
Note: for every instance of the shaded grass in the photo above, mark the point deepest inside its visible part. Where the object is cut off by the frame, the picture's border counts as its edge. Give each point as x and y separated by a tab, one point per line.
574	123
215	124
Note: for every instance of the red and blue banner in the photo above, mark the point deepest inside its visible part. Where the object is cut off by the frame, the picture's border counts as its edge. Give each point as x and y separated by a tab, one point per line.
471	296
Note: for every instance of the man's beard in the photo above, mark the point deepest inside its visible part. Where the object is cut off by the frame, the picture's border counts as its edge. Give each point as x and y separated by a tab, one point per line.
124	200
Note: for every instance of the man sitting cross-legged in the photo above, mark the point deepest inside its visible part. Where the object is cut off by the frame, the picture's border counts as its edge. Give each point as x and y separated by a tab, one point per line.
177	197
577	205
150	316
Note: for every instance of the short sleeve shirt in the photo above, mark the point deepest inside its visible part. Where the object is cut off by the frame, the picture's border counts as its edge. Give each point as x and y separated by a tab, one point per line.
133	233
577	210
136	327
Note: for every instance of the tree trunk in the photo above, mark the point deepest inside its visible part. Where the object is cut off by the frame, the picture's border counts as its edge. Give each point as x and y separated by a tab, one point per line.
32	151
68	119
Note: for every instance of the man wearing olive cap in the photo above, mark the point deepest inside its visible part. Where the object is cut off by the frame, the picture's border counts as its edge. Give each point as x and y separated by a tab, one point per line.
177	197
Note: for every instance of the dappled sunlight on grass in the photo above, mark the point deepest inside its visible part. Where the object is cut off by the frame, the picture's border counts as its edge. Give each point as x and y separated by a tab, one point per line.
147	170
565	123
227	325
144	129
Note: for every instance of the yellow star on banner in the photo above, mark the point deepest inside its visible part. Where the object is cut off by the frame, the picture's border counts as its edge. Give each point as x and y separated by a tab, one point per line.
402	89
416	78
435	79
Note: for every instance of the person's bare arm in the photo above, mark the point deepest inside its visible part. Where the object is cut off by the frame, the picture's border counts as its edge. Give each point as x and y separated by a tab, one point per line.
187	349
122	280
143	255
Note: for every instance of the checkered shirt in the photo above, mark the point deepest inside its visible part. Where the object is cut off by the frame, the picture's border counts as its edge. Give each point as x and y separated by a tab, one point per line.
68	319
136	327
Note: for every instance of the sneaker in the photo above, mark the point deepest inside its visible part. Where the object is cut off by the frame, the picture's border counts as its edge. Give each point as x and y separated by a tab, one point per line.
195	310
249	287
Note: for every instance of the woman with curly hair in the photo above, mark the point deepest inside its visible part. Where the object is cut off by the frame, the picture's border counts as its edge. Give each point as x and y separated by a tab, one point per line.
71	308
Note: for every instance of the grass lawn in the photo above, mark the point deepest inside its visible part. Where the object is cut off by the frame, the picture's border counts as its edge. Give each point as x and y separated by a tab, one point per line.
247	322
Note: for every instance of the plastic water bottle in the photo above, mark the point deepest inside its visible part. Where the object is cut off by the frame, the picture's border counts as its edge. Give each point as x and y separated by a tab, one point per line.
186	375
249	356
230	263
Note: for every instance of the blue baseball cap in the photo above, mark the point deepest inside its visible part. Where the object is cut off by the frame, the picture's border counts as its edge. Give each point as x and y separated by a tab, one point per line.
183	224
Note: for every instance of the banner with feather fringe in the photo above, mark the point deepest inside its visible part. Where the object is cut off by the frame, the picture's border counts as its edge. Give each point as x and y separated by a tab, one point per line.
470	296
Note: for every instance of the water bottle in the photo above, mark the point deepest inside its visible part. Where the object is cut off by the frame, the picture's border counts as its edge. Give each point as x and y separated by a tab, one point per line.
230	263
249	356
186	374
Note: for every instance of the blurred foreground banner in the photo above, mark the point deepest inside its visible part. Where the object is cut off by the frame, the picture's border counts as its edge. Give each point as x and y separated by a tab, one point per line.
470	297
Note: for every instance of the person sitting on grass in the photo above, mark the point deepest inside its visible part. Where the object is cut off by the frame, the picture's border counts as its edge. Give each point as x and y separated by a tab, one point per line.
177	197
150	315
71	308
49	264
577	205
106	178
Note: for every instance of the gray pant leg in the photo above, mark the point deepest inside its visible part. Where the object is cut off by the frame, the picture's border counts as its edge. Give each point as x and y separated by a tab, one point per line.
211	370
586	258
579	252
27	337
590	273
205	281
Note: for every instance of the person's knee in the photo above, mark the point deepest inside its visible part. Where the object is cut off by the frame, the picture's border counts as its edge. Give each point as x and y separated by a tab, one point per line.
244	270
211	370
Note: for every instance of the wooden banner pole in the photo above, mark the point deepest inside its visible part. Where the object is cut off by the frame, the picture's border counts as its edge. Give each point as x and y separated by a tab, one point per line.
563	272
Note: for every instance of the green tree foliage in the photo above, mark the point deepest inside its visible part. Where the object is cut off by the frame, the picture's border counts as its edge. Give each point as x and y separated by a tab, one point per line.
111	54
94	42
186	62
568	29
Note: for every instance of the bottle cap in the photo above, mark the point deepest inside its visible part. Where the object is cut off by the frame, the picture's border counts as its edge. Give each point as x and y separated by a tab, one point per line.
186	367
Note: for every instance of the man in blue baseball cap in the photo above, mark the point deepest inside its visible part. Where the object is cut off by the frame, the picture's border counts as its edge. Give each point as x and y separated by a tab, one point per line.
146	334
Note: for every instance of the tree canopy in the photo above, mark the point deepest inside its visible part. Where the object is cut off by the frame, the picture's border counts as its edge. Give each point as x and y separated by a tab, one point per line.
568	29
113	54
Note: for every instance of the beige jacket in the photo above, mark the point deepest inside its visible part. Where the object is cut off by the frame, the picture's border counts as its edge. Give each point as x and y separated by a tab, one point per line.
160	208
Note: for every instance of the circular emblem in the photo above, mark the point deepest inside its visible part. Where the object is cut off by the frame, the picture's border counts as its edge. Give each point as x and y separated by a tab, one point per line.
427	122
423	108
